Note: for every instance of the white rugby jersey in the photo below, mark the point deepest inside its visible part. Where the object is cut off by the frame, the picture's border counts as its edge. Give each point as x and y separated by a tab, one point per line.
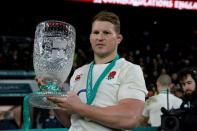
125	80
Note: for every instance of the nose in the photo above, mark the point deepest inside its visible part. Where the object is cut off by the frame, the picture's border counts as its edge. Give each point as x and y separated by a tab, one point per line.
100	36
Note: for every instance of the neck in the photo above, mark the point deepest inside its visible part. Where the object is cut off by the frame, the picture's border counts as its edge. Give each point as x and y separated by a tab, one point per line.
164	88
104	59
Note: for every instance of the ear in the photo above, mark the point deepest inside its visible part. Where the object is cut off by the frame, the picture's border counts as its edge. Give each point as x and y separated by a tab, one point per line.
119	38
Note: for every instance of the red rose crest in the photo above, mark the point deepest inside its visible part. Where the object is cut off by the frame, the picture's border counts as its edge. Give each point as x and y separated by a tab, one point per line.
78	77
111	75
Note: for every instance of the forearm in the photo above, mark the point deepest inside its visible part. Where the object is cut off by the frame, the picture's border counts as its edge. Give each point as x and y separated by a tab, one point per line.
63	117
122	116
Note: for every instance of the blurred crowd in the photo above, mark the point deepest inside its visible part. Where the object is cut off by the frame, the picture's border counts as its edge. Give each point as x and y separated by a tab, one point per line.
16	53
155	59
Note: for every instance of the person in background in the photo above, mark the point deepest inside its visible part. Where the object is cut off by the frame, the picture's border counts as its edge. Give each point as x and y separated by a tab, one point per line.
152	110
188	78
107	94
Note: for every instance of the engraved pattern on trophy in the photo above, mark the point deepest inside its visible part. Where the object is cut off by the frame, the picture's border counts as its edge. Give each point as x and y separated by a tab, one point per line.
54	47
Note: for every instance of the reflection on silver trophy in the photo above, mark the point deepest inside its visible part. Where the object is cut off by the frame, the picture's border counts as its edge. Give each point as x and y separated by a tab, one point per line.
53	55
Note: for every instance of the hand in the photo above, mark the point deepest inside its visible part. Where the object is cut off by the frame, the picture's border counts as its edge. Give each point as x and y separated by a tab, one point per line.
40	81
71	103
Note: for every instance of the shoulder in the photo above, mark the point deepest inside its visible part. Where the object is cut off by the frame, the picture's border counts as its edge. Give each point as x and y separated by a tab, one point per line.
175	97
82	68
79	72
151	100
126	65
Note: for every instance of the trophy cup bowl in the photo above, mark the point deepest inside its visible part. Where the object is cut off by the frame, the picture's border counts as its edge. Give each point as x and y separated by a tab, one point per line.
53	54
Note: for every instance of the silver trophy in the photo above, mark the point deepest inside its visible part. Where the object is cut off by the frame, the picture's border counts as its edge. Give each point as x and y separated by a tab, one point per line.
54	47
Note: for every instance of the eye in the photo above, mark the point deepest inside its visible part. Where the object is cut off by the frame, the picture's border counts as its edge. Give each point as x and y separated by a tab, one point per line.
95	32
189	82
106	32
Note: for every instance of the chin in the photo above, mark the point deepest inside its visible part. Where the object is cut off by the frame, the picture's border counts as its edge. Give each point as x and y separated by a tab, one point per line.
189	92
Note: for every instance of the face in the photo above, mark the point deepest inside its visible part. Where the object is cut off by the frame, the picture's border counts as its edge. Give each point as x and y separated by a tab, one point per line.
188	84
104	39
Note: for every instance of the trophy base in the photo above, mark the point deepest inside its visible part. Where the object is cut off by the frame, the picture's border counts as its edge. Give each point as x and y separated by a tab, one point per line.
39	99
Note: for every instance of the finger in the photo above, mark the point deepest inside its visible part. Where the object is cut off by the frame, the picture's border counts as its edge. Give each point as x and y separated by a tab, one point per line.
57	99
40	81
53	99
70	93
61	86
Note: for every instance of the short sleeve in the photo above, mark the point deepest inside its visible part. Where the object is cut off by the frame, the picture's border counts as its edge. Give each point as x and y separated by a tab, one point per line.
132	84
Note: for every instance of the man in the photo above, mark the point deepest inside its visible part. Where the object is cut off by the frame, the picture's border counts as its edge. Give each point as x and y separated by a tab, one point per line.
188	79
152	110
107	94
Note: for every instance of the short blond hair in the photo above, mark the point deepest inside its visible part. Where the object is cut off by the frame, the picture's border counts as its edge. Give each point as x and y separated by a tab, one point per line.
110	17
164	79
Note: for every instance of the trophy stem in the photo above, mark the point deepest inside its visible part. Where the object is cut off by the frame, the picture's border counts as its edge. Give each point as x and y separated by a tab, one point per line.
50	86
39	98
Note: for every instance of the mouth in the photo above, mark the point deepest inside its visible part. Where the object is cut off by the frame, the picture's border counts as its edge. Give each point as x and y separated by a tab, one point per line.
188	92
100	45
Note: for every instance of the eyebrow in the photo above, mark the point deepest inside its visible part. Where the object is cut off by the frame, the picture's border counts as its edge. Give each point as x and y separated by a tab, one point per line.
189	81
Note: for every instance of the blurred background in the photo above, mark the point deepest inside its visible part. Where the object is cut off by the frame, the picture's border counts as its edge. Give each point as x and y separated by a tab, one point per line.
160	39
